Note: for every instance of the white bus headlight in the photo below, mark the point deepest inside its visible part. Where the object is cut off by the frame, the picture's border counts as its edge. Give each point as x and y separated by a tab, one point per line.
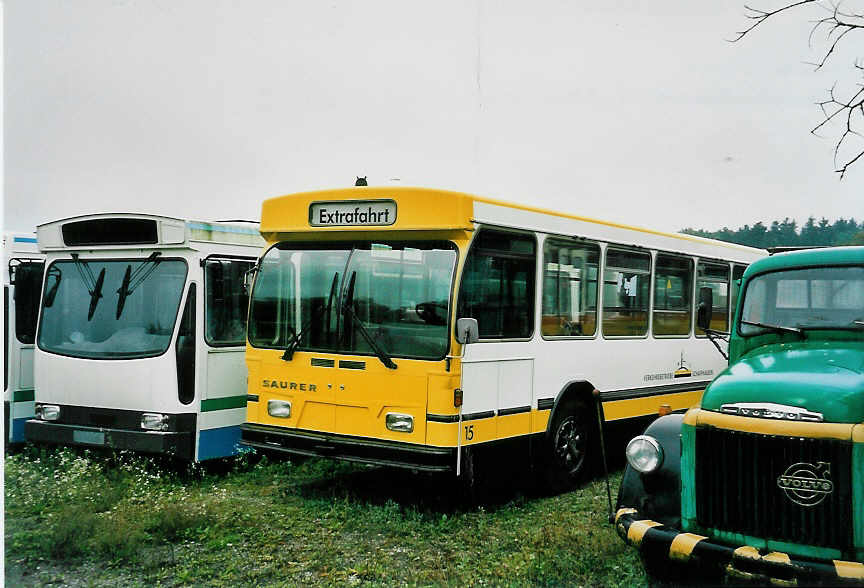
644	454
154	421
47	412
401	423
279	408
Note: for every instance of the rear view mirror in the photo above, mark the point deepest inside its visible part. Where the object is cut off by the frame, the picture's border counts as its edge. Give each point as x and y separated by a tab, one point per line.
467	330
703	311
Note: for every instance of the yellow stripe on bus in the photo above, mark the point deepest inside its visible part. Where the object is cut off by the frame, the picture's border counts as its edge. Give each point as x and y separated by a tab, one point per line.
649	405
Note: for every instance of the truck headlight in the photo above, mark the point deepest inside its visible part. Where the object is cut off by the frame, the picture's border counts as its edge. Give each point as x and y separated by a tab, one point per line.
279	408
401	423
47	412
644	454
154	421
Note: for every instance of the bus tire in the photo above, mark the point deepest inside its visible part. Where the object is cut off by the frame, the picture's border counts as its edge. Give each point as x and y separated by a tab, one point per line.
568	453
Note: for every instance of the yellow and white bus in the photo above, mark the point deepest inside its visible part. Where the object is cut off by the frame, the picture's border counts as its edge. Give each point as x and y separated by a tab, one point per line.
354	352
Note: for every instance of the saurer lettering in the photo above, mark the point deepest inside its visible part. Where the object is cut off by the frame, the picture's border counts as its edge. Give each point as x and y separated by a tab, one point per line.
286	385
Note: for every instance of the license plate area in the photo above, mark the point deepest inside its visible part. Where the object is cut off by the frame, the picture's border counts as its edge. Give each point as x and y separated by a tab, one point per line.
89	437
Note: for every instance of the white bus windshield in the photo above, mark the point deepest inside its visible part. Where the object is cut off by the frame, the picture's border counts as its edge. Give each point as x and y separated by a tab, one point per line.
106	309
354	298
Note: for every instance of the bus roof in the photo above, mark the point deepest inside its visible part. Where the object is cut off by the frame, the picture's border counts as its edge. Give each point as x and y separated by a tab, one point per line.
136	231
401	208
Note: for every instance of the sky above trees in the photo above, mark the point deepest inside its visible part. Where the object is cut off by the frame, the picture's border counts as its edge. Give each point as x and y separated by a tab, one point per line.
639	113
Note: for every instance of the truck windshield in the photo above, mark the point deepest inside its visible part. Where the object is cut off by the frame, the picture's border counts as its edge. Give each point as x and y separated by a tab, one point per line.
322	296
91	308
811	298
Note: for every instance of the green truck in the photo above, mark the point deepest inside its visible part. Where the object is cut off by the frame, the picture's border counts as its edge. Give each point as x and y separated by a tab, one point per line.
764	480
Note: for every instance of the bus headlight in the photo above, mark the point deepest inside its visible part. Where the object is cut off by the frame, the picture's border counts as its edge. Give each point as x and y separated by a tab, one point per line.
644	454
154	421
47	412
401	423
279	408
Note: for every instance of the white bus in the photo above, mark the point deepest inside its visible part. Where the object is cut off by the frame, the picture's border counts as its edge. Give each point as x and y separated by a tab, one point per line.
141	334
22	281
355	350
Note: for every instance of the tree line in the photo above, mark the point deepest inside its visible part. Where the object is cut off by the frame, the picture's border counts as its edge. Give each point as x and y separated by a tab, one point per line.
787	233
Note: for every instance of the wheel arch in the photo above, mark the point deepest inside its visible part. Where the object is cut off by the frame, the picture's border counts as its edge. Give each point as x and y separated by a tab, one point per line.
573	392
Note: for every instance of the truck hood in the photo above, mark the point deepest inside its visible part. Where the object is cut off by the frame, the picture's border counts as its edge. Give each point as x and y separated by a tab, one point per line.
824	376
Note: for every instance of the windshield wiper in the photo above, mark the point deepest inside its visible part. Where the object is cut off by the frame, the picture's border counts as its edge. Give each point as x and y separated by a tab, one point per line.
93	285
295	340
141	273
776	328
348	308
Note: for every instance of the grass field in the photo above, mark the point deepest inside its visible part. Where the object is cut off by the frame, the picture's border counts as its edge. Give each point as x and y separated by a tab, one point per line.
77	519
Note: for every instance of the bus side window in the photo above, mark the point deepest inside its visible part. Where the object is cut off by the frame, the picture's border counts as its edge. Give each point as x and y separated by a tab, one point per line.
715	276
498	285
569	288
673	286
186	350
226	301
625	293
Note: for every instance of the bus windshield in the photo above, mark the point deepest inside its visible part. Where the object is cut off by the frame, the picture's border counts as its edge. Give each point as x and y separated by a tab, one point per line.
812	298
101	309
354	298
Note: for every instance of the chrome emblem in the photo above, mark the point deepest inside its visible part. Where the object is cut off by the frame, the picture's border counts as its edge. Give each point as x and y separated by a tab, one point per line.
806	484
769	410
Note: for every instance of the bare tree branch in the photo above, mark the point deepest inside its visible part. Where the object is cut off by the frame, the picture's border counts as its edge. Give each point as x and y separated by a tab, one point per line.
848	113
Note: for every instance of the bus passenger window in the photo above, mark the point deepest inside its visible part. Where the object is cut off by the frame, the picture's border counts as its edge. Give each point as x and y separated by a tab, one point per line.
673	286
716	277
226	301
625	293
569	288
498	285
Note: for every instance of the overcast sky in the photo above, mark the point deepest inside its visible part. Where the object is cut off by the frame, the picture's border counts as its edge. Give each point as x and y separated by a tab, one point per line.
630	111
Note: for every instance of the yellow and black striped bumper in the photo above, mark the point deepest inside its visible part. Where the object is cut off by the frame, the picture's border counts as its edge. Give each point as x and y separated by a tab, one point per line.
656	540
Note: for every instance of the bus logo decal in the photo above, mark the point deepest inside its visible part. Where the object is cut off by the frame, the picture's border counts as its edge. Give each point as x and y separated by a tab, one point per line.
352	213
806	484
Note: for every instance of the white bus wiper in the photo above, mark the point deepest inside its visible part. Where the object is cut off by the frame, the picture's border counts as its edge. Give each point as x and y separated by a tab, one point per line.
348	307
776	328
295	340
141	273
93	285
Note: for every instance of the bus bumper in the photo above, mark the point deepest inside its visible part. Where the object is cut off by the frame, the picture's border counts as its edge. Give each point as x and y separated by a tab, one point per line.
356	449
179	444
657	541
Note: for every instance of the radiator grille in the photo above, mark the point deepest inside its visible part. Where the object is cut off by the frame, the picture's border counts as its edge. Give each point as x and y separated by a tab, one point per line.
737	487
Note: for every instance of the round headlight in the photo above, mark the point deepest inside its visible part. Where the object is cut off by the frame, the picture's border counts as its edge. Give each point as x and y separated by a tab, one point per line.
644	454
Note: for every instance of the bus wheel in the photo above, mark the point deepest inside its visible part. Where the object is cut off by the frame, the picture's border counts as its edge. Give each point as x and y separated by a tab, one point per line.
569	454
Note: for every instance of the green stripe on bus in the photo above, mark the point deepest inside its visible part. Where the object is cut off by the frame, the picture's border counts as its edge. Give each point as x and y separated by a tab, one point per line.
23	396
223	403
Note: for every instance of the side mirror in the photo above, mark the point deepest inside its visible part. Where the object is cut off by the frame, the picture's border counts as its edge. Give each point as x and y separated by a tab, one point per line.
703	311
467	330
